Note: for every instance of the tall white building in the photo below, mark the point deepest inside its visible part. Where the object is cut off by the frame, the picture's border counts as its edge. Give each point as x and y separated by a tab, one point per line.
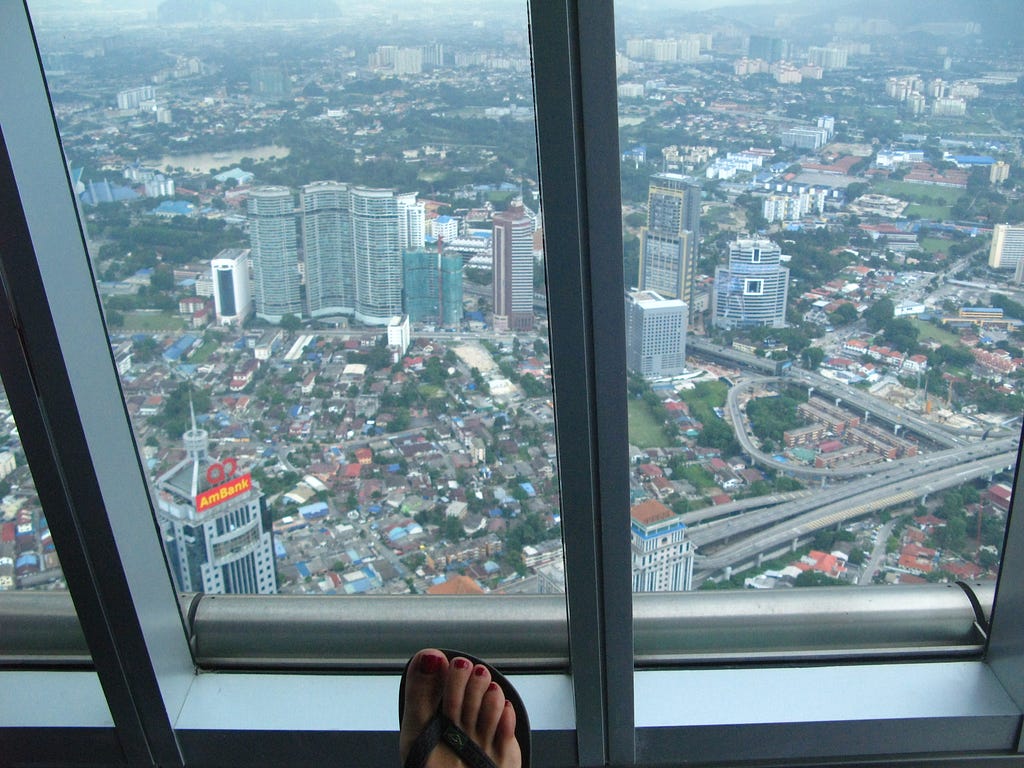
412	222
655	334
377	252
215	524
232	290
662	555
751	291
327	242
1007	249
275	253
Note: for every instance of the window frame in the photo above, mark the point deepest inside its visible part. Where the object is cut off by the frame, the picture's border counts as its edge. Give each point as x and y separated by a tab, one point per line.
157	708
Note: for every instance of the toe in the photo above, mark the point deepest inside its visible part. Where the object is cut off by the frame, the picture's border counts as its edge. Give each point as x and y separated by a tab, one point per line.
459	673
424	686
476	687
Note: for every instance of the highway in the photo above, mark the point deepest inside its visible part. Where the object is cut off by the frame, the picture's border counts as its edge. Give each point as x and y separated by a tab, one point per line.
778	526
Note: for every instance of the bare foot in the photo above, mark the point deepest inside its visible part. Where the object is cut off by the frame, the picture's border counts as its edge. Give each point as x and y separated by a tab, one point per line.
464	693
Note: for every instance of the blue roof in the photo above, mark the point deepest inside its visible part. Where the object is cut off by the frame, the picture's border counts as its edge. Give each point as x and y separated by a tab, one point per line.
279	549
303	570
442	219
318	509
174	208
974	159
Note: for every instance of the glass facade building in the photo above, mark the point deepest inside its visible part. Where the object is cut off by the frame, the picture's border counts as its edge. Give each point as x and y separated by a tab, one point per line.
275	253
751	291
327	246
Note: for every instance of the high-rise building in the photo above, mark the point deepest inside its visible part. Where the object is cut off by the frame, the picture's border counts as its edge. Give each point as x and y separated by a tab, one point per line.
327	241
232	291
275	253
751	291
512	251
215	523
412	222
655	334
1000	171
770	49
662	554
451	290
377	255
668	244
420	286
1007	249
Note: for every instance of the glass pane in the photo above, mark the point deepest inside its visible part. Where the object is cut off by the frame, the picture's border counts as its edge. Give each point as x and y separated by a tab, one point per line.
317	239
823	305
27	556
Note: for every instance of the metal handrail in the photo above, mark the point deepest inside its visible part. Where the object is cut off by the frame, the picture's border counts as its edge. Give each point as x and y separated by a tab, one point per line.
530	631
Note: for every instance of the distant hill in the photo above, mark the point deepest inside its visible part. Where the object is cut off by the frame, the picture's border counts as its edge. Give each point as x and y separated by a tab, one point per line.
199	11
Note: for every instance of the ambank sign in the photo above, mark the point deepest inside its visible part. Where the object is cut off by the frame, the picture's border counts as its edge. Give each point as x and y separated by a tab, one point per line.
236	486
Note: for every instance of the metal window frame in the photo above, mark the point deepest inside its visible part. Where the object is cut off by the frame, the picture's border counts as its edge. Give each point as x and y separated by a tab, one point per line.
157	708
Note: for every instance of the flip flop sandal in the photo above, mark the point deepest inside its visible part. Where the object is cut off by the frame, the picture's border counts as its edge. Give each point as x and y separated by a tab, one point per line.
441	729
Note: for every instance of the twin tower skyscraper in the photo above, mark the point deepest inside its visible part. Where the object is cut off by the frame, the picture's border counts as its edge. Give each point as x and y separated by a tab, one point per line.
353	240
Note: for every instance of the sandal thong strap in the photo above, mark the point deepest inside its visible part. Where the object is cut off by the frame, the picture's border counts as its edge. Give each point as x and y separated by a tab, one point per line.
442	729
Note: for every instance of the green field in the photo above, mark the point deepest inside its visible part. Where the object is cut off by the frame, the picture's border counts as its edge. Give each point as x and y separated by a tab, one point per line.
933	332
204	353
935	245
644	431
908	190
153	321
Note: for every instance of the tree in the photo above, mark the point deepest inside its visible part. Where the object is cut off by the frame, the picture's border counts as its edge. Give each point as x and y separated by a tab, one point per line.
879	313
290	323
812	357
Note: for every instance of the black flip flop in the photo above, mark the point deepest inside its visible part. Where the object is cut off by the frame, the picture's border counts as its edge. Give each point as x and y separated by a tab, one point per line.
441	729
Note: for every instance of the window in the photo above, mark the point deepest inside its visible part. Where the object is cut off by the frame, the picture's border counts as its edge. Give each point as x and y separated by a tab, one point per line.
159	711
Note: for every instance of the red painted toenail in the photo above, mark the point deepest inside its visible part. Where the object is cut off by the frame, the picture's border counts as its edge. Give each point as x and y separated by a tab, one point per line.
461	663
479	671
493	686
429	664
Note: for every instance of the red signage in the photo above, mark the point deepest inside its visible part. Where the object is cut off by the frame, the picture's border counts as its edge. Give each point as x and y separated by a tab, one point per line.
222	493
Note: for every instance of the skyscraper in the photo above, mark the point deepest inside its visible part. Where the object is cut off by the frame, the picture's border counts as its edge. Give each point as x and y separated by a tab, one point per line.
421	290
512	250
412	222
668	244
215	523
327	241
275	253
751	291
655	334
1007	250
377	255
662	555
451	290
232	291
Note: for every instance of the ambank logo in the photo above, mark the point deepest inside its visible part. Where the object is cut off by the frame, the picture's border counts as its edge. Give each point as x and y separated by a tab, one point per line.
234	487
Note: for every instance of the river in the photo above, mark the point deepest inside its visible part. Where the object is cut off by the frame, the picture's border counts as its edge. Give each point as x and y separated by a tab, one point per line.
205	162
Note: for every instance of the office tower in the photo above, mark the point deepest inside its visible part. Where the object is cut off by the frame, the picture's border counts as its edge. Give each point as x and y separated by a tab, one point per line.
770	49
451	290
827	57
420	286
268	84
399	333
377	254
215	524
1007	249
668	244
655	334
512	250
327	241
662	554
751	291
805	138
275	253
412	222
232	291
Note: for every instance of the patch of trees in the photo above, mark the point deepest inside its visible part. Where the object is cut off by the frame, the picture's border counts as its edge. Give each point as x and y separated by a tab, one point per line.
771	416
175	416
